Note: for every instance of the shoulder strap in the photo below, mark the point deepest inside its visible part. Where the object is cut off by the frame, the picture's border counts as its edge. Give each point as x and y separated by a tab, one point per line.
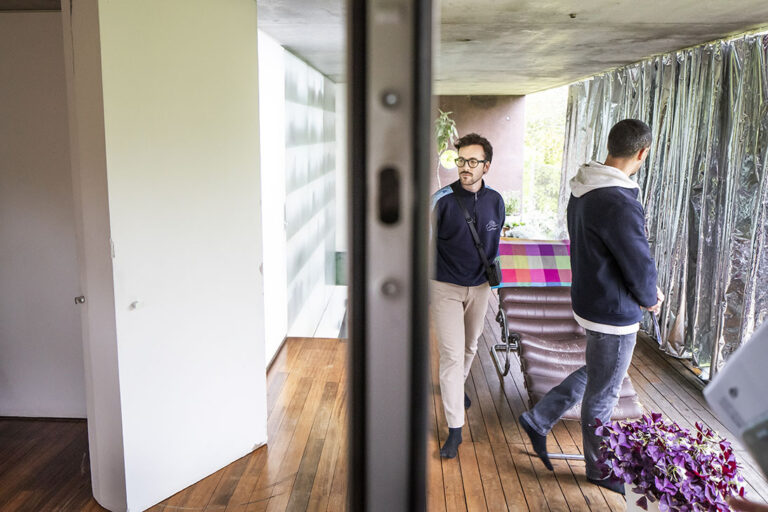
471	224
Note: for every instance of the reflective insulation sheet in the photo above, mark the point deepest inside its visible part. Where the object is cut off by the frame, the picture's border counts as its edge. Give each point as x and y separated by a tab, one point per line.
704	185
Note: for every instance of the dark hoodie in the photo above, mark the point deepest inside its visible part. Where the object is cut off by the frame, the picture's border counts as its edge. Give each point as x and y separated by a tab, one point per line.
613	271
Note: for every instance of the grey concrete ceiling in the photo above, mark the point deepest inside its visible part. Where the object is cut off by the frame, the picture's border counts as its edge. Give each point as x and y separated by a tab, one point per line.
523	46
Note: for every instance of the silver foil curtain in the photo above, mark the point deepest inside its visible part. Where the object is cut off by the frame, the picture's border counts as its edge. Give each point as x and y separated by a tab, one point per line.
704	187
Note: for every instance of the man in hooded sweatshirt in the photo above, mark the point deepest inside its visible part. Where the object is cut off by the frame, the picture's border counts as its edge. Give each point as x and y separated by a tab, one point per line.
614	279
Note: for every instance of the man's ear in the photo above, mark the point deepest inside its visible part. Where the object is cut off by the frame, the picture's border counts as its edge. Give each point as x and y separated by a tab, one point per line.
643	153
486	167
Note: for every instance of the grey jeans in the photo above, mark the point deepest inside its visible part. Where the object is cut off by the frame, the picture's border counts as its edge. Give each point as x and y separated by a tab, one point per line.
597	385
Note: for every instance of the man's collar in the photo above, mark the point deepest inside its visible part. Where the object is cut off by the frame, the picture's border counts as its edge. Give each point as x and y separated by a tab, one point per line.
458	189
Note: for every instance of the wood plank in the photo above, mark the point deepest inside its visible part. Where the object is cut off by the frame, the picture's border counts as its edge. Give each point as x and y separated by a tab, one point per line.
230	477
514	390
507	419
274	387
615	501
435	484
451	470
563	438
510	481
570	488
261	490
48	479
489	476
470	477
474	416
591	493
19	438
550	486
574	429
21	443
238	500
305	476
33	468
282	483
487	408
455	499
200	493
329	458
338	498
287	392
436	501
532	489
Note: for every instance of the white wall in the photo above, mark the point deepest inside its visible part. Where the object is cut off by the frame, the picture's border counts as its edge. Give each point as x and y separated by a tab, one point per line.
41	355
272	125
181	146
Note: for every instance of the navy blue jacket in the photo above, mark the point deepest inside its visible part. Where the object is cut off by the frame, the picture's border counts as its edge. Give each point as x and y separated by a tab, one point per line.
613	271
458	261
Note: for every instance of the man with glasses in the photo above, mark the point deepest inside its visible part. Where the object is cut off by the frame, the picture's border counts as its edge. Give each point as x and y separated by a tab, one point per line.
459	293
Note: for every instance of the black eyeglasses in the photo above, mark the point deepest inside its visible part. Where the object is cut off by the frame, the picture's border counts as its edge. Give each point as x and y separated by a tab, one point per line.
472	162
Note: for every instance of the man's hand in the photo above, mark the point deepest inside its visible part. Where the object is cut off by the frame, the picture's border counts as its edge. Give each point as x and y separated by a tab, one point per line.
738	505
660	297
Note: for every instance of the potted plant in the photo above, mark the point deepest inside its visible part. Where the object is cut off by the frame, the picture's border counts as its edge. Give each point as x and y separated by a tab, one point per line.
670	468
445	134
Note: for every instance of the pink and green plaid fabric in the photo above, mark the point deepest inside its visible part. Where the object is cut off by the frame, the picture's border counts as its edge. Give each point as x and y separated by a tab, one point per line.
535	262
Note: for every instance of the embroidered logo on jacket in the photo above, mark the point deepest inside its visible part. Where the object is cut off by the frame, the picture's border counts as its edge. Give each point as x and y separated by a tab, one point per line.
491	226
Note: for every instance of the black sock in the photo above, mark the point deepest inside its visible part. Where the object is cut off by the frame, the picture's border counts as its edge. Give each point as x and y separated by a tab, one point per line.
467	401
451	447
612	484
538	441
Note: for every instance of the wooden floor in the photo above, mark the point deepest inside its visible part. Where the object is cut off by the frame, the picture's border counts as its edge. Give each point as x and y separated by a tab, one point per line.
44	465
494	470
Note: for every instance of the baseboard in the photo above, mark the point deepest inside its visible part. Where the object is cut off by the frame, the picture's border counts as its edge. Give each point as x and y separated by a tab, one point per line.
36	418
277	353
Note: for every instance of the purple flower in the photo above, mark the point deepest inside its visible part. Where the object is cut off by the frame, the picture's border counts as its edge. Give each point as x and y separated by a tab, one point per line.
684	471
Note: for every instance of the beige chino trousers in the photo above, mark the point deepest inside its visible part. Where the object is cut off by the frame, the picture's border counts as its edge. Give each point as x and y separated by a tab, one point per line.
458	316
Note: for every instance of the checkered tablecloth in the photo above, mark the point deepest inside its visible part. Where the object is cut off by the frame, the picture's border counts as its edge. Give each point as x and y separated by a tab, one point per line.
535	262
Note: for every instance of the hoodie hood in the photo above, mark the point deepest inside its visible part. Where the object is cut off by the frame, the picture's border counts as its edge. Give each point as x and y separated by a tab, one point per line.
595	175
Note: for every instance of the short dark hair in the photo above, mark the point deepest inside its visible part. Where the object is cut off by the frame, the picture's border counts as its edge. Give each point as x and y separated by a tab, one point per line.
471	139
627	137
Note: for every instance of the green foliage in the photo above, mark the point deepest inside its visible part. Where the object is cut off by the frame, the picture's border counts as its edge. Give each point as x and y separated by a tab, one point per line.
445	131
511	204
542	166
445	134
